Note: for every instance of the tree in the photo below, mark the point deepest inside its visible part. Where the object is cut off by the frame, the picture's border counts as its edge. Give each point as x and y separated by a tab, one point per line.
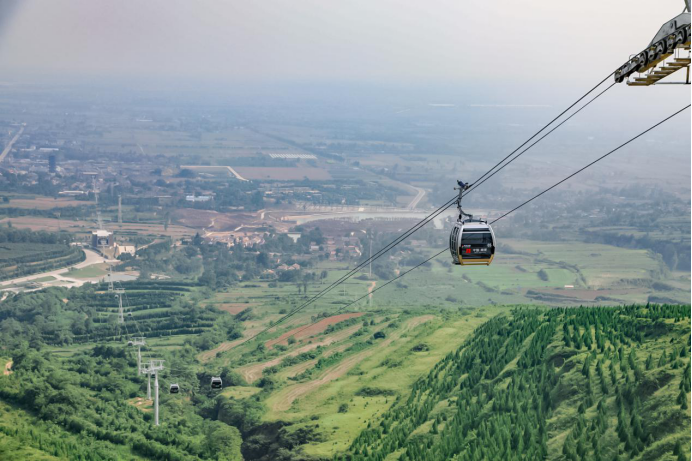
543	275
650	362
222	442
208	278
682	399
244	414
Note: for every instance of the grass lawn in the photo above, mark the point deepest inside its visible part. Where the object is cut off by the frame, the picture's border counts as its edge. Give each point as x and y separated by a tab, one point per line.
47	278
240	392
89	272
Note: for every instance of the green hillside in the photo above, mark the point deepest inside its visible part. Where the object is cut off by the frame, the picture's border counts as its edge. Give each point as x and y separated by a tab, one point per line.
563	384
62	317
23	252
84	400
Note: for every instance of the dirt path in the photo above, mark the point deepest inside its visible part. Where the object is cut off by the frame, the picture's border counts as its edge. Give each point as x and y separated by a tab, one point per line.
8	368
414	322
299	390
225	346
234	308
304	331
371	287
253	372
290	394
286	397
301	367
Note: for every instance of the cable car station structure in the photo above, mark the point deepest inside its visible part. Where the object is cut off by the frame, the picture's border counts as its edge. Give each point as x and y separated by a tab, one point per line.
668	52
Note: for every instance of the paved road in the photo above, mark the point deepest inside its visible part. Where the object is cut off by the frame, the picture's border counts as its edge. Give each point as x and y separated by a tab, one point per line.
205	167
9	146
91	259
416	200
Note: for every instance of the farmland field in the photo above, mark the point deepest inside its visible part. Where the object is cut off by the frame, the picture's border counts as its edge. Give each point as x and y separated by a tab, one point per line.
85	227
152	140
42	203
283	174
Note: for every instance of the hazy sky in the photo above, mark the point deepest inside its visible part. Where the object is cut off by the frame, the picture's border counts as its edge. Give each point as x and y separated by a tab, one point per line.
324	40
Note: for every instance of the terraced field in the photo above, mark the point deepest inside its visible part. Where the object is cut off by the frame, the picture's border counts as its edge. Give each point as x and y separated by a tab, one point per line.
380	352
153	308
20	259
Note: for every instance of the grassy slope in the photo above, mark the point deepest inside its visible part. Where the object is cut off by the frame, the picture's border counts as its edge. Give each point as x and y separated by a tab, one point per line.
656	391
387	364
339	429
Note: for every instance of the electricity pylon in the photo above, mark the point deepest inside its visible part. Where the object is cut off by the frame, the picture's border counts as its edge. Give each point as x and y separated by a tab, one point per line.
119	294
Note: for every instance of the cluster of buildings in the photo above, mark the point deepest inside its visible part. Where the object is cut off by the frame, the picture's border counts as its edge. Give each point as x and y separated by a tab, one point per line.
245	239
292	267
339	248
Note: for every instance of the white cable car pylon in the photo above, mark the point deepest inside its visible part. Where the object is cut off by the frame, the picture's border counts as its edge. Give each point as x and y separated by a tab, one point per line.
472	241
154	367
139	341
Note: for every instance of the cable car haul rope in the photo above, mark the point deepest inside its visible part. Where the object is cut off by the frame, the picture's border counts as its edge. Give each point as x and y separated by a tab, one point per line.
481	227
478	247
472	242
487	175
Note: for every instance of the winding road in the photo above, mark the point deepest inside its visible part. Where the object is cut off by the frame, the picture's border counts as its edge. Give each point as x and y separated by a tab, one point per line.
416	200
91	258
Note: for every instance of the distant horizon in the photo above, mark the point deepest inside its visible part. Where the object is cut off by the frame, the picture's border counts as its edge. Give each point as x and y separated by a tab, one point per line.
362	41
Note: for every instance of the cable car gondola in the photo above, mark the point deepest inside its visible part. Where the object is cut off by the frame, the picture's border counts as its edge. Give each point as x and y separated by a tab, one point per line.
216	382
472	241
174	388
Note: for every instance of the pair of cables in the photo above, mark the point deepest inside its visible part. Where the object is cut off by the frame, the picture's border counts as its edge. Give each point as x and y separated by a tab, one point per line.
516	153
